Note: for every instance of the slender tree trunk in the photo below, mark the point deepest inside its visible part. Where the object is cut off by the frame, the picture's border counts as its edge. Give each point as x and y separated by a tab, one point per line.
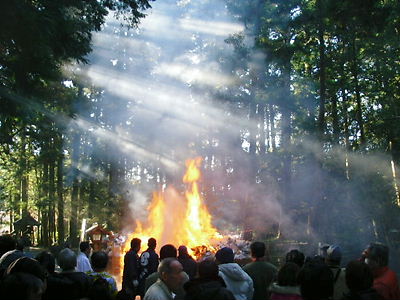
263	137
45	204
60	195
322	73
357	91
73	230
24	176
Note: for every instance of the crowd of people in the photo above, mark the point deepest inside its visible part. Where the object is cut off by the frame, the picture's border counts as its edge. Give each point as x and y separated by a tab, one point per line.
174	274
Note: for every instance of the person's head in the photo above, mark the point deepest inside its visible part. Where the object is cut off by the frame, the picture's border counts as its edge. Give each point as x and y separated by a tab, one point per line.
99	261
22	286
358	276
85	247
135	244
171	273
287	275
183	251
47	260
295	256
7	243
257	250
377	256
27	265
208	269
333	255
168	251
224	256
20	245
67	259
152	243
316	280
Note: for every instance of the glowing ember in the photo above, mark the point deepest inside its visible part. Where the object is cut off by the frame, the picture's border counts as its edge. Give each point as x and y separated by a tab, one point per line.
178	220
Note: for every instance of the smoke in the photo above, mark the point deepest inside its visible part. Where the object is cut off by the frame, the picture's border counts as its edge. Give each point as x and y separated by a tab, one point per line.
158	87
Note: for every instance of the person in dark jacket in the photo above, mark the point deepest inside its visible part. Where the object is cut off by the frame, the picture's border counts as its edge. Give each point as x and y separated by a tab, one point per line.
148	264
209	285
68	284
316	280
359	280
130	276
188	263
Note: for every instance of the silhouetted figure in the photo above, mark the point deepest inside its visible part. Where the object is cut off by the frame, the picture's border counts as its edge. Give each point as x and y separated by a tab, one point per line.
295	256
359	280
332	259
7	243
236	280
68	284
27	274
148	264
316	280
47	261
261	272
385	280
130	277
171	279
208	285
167	251
286	287
188	263
99	261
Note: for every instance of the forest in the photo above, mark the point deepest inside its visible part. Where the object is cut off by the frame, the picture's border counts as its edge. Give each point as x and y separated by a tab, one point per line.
293	105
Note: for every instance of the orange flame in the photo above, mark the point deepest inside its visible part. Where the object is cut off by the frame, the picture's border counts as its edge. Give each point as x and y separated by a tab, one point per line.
178	220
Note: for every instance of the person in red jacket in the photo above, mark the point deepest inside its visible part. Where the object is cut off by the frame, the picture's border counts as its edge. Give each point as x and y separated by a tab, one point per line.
376	256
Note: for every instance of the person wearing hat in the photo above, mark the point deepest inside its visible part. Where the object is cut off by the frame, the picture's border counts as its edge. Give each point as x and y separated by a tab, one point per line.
236	279
332	259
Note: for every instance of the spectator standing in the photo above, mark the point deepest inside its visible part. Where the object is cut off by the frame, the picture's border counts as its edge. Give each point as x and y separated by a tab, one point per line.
235	278
188	263
261	272
359	280
332	259
208	285
171	279
99	261
286	287
83	264
148	264
130	277
385	280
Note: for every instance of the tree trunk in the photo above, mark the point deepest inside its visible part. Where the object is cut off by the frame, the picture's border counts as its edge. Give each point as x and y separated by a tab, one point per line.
322	73
60	195
357	91
73	229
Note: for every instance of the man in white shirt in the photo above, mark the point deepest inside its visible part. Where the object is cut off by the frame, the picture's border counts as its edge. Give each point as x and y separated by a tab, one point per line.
83	264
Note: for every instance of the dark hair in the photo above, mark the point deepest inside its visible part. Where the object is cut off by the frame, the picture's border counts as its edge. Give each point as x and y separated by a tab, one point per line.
135	243
358	276
152	243
66	259
47	260
27	265
99	260
208	269
7	243
295	256
379	252
316	280
100	289
167	251
257	249
83	246
287	275
20	285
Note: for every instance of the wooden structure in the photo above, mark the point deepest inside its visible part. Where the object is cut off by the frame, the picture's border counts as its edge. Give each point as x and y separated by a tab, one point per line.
99	236
23	228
